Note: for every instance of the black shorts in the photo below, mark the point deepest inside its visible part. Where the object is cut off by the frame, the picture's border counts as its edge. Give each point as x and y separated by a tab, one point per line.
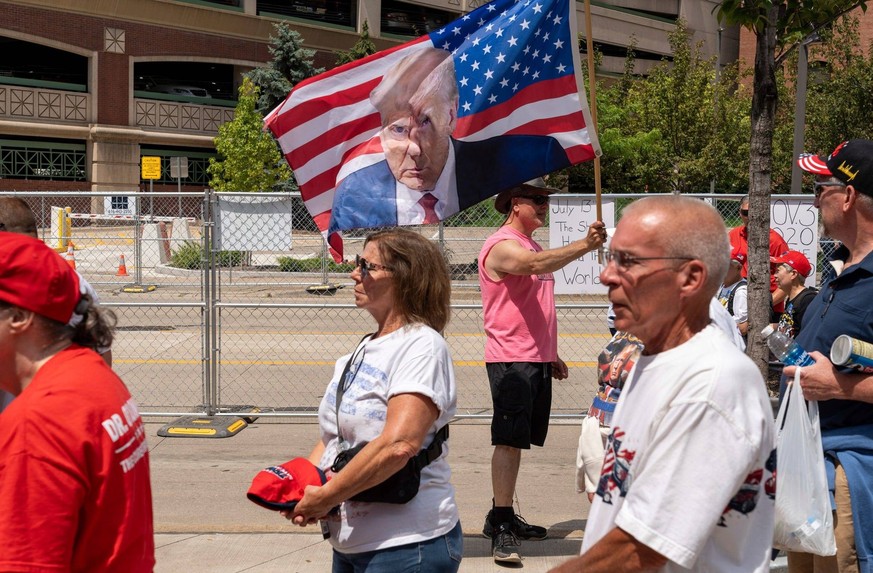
521	393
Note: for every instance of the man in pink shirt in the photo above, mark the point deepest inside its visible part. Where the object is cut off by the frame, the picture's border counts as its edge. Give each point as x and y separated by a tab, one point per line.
521	351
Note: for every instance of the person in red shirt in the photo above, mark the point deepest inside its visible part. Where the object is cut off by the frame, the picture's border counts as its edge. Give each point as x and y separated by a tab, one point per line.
75	491
739	238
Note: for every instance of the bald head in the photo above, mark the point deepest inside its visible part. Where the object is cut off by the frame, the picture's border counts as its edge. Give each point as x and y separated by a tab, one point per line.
686	227
16	217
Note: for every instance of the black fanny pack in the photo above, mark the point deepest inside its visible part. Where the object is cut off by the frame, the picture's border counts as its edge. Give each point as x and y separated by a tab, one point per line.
402	486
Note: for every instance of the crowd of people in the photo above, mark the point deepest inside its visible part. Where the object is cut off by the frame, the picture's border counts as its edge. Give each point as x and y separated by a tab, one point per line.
673	452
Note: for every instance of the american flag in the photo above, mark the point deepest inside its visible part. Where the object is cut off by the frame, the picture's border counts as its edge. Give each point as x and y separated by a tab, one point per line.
518	73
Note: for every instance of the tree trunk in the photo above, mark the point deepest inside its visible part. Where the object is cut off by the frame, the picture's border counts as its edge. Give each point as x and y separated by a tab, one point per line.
761	160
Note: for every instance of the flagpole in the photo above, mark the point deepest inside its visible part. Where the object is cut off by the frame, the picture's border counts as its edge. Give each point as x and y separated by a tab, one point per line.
592	106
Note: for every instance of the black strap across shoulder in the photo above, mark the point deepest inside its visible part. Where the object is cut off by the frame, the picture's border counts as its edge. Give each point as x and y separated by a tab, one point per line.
425	456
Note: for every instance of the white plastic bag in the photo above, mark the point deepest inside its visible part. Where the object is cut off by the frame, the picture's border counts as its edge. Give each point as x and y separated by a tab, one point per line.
804	521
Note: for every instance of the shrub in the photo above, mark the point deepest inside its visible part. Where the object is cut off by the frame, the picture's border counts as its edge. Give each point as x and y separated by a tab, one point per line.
292	265
187	256
190	254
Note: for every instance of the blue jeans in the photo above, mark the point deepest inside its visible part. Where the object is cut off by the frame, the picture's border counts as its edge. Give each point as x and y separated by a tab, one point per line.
439	555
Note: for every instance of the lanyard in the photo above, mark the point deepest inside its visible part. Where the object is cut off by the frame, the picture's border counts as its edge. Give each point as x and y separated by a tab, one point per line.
345	379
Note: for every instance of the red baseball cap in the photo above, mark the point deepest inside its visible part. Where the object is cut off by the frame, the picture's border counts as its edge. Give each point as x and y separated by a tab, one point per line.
796	260
35	278
851	162
737	255
281	487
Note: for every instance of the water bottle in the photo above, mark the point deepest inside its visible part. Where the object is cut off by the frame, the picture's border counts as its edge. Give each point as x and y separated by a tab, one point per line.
785	349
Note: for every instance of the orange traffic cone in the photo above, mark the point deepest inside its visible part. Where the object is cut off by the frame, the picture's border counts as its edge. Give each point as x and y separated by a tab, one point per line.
71	256
122	268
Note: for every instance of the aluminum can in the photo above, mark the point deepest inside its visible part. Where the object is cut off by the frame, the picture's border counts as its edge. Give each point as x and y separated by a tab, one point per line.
853	353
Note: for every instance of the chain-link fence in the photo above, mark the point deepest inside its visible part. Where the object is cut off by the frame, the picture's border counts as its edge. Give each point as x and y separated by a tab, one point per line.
222	306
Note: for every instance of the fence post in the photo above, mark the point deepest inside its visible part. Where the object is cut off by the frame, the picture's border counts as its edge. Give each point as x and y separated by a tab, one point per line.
210	296
324	263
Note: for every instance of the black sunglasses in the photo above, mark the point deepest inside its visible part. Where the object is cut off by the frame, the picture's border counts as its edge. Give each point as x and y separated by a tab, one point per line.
537	199
818	186
744	212
366	266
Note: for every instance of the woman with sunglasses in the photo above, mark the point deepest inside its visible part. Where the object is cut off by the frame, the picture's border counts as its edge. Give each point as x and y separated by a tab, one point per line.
395	392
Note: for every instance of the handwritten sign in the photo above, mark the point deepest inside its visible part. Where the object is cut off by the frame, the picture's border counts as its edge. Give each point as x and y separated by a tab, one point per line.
797	221
569	219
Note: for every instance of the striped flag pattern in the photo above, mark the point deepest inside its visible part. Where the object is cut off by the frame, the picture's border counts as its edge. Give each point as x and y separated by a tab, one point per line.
518	73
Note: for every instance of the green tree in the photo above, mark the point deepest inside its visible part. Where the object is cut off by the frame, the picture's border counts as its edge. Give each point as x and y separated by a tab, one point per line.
779	27
838	99
672	130
362	48
248	158
291	64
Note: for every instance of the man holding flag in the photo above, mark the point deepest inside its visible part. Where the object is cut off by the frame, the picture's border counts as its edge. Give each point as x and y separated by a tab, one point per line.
503	100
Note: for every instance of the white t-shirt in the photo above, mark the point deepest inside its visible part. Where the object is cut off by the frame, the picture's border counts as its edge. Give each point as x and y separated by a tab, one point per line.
414	359
719	316
684	469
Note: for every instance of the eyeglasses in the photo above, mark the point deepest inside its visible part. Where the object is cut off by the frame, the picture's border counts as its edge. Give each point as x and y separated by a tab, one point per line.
537	199
819	186
744	212
366	266
625	261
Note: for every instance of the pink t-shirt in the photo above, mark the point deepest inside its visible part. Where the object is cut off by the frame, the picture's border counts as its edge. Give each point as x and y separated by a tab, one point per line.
519	311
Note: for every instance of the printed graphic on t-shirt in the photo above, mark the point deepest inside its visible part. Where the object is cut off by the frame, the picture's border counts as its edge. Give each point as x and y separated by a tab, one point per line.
770	467
614	365
786	321
745	500
615	477
119	428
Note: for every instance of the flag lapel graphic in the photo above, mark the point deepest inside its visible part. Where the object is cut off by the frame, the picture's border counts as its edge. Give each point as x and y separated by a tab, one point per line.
489	101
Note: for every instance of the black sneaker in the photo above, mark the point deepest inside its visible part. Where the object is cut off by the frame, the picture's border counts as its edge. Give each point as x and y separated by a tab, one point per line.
504	545
521	528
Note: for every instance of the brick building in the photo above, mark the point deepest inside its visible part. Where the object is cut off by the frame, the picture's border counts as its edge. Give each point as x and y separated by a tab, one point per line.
88	88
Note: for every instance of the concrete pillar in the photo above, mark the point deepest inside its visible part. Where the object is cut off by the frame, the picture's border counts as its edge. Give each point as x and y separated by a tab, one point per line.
181	234
371	11
114	167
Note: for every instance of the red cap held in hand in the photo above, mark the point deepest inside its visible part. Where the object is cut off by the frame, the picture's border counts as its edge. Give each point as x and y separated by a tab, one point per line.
280	487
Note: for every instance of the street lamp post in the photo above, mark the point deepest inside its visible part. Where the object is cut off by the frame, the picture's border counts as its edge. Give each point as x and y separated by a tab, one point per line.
800	109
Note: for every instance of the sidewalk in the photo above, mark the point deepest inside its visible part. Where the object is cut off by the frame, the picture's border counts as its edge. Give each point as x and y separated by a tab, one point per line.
205	523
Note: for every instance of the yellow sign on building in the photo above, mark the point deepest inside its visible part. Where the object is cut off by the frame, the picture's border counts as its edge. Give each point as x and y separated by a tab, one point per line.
151	167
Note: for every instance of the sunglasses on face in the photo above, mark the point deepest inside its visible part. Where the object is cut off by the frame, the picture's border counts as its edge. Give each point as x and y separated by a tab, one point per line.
744	212
537	199
819	186
366	266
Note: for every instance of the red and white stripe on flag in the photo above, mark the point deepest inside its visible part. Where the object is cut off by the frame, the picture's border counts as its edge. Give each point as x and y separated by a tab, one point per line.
518	73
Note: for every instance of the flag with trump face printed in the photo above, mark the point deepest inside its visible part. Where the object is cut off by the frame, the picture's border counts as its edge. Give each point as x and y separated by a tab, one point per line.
414	134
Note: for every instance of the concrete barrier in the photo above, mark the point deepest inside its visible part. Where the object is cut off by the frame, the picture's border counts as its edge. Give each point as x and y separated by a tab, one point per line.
181	233
155	246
